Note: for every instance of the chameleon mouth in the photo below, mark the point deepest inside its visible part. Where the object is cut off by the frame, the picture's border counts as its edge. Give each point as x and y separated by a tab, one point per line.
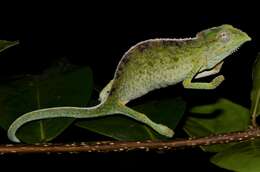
238	46
244	40
235	50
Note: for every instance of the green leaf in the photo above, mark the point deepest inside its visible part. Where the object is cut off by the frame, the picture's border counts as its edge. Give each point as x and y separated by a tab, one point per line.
243	157
167	112
53	88
220	117
7	44
255	92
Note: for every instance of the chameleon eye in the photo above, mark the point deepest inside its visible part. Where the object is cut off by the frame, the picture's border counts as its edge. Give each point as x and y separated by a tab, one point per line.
224	36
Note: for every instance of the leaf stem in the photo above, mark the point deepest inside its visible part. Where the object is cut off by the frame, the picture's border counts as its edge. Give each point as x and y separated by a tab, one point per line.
38	100
255	110
119	146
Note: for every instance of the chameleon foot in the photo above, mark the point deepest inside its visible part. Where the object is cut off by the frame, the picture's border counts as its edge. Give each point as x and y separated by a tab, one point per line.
218	80
163	130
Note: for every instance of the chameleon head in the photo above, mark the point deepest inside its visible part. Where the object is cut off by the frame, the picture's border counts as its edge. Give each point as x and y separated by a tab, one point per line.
220	42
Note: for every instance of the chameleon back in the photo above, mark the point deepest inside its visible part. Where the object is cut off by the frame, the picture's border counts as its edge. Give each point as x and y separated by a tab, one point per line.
152	64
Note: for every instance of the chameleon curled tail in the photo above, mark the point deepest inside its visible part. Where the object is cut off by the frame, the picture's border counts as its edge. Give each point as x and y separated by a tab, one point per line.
106	108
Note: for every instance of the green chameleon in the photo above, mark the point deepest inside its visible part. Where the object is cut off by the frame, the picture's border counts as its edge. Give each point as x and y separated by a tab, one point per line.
150	65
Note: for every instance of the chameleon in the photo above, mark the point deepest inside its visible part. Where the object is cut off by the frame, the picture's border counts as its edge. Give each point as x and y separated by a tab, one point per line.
150	65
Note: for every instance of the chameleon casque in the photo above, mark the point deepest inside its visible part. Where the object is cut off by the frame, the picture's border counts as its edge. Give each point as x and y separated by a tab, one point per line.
150	65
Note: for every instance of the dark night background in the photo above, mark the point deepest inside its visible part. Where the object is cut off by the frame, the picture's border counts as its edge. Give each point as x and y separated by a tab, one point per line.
97	35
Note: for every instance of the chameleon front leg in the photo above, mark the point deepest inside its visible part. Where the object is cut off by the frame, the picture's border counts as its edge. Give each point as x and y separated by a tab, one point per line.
213	71
187	83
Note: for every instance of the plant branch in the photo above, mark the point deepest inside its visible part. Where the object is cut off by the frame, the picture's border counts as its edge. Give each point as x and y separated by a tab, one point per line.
119	146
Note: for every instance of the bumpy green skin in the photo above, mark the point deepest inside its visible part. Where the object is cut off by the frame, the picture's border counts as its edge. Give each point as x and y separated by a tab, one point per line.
150	65
154	64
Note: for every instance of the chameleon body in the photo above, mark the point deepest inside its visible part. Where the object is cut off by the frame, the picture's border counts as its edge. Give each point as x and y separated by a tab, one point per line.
150	65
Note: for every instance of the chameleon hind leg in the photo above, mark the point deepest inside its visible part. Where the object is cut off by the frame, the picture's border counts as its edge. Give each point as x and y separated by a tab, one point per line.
187	83
162	129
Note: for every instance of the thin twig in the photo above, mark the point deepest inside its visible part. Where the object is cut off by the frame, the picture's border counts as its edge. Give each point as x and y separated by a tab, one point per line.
253	118
119	146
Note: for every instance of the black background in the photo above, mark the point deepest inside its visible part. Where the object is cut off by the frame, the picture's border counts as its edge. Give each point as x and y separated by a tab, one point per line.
97	35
